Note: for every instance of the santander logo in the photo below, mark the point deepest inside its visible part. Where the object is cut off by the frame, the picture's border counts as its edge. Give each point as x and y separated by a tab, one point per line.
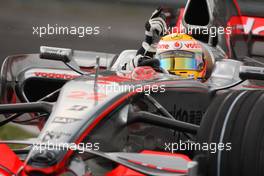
256	25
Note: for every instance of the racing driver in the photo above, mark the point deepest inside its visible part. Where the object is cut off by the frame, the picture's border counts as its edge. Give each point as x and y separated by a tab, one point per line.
179	54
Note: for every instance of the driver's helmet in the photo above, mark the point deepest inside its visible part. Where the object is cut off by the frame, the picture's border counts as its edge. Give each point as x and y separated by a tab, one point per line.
182	55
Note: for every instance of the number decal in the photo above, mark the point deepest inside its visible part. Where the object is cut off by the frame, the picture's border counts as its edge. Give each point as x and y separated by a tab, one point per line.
78	108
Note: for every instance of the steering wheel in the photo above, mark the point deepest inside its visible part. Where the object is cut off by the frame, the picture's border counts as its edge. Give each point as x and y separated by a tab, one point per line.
155	64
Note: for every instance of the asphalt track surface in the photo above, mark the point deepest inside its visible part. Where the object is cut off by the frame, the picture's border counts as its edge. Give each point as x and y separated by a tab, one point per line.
121	25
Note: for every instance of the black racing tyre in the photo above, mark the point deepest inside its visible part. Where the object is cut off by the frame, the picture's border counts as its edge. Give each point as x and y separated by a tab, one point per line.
235	120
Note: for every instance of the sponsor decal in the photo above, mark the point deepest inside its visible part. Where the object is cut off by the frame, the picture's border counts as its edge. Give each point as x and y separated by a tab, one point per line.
77	108
247	25
177	45
256	25
193	116
193	45
87	95
163	46
55	75
65	120
52	135
186	44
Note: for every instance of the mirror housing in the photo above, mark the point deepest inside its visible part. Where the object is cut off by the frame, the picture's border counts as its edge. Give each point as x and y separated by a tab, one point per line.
58	54
250	72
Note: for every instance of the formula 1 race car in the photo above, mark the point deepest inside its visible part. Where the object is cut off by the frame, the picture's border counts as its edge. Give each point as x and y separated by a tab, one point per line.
96	119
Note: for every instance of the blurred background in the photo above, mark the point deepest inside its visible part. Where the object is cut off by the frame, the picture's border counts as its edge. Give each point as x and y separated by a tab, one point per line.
121	23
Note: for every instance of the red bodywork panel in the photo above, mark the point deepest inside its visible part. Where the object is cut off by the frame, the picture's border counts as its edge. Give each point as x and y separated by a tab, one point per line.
254	24
9	161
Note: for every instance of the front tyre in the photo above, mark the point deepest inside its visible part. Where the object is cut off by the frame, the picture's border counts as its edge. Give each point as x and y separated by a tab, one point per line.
237	118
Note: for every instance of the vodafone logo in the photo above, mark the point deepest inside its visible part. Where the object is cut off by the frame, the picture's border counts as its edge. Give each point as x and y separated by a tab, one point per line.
55	75
192	45
177	45
170	45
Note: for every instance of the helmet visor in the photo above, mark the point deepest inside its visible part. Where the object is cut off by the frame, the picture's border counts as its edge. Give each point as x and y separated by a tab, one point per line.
180	60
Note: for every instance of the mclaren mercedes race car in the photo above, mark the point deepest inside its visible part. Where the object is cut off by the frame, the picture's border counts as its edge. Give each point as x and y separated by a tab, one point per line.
97	119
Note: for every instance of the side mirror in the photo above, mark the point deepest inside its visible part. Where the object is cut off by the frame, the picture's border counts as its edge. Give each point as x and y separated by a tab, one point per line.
60	54
53	53
249	72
